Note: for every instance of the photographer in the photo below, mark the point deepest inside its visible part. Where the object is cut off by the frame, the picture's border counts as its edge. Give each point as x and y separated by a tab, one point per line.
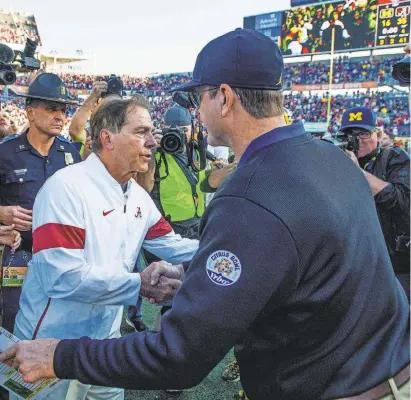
176	191
388	173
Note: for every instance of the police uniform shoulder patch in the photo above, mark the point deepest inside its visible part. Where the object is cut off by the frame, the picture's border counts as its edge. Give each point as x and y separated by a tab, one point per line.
223	268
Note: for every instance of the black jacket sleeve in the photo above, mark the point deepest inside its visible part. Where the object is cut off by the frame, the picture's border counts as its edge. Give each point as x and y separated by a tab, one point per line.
246	257
396	196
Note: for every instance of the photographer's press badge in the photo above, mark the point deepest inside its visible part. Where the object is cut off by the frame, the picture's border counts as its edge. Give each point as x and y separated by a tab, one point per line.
13	276
68	157
223	268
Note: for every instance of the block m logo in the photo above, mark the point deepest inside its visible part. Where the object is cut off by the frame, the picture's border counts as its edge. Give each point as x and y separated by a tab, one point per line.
356	116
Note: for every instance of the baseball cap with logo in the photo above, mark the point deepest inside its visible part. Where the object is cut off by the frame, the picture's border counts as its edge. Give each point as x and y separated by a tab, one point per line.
242	59
177	116
359	117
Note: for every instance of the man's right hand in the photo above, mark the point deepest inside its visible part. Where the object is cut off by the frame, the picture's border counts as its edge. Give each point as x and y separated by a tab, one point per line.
18	216
99	87
163	291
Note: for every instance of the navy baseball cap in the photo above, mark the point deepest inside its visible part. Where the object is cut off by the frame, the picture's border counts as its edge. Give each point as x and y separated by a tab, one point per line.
177	116
242	59
359	117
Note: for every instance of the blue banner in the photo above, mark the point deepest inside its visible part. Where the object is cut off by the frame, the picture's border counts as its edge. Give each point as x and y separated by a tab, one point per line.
269	20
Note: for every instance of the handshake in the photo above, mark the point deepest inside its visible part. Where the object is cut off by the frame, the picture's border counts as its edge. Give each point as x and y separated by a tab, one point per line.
160	282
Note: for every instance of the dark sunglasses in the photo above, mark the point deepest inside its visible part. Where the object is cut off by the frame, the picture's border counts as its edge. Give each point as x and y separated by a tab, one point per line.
196	97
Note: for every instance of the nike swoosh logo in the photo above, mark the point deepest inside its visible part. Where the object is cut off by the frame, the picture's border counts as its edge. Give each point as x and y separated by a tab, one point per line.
107	212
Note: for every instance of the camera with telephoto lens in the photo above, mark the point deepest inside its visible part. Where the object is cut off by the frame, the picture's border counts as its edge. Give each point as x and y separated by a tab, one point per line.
27	62
345	141
7	73
114	86
174	140
401	71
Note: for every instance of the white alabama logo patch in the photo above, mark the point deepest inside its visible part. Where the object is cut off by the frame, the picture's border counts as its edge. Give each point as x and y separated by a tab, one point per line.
223	268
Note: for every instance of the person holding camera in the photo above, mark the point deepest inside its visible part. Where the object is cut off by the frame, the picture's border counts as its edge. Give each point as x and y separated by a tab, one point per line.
177	192
102	89
387	170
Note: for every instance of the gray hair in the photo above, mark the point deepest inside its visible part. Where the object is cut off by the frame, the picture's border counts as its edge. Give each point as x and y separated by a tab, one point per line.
113	115
260	103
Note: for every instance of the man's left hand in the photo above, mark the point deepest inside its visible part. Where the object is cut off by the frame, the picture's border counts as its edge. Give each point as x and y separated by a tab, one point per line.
32	358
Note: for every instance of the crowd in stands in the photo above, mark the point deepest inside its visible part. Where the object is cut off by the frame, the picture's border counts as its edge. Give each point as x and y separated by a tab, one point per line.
16	28
157	83
345	70
391	108
369	69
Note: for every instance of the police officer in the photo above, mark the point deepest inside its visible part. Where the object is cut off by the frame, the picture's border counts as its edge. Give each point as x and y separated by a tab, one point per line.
291	266
26	162
388	173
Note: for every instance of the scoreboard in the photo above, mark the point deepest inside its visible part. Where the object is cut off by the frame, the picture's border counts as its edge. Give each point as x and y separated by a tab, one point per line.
393	24
359	24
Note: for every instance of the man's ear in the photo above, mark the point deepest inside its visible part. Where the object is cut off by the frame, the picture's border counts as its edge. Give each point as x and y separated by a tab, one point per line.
105	139
29	113
228	97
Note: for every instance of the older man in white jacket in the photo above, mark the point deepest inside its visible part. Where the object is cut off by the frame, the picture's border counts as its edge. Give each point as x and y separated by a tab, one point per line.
89	224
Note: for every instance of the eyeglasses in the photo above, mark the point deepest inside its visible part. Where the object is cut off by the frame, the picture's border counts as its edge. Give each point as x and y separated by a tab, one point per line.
196	97
362	133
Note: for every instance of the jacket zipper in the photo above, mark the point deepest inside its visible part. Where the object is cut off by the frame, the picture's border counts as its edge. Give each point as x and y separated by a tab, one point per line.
41	319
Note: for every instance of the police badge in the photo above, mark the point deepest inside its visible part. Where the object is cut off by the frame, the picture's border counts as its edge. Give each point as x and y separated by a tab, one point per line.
68	158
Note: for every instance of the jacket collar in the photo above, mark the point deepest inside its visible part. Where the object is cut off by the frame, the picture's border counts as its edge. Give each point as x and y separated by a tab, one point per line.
271	137
97	169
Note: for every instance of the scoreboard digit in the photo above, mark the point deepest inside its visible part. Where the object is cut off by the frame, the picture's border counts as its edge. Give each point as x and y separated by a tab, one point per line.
393	25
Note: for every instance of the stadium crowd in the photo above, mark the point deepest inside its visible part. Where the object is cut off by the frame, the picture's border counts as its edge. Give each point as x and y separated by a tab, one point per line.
345	70
391	109
16	28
